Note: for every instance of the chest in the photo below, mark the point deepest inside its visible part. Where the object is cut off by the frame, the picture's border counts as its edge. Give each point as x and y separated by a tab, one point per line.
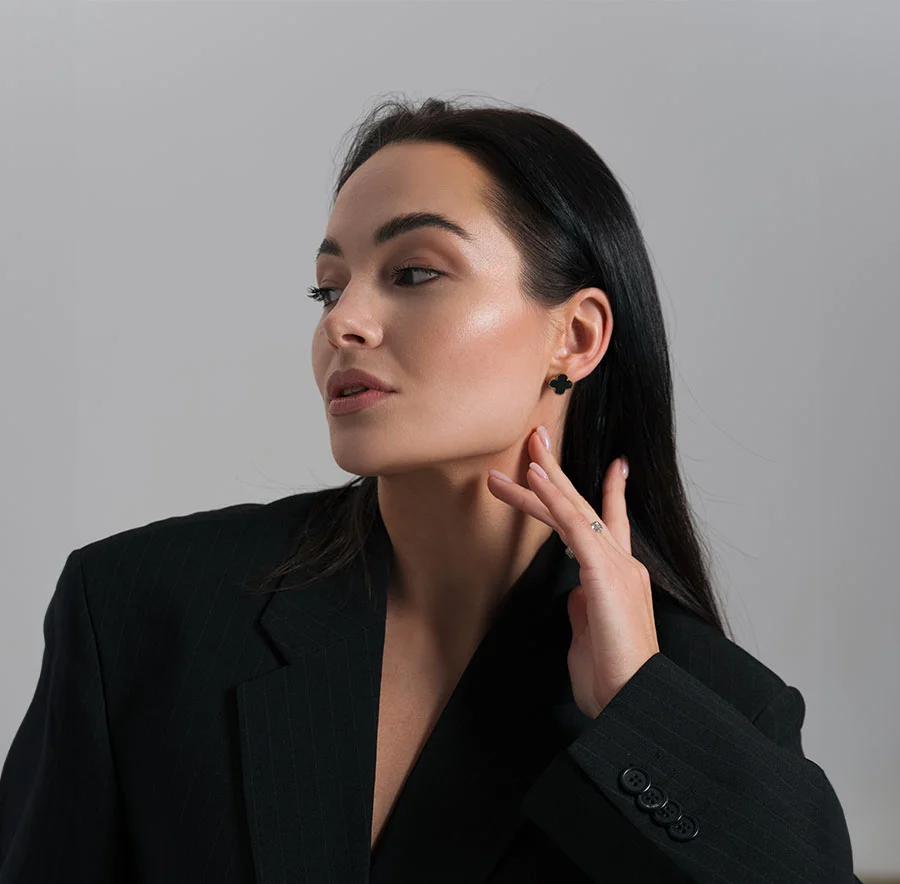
415	688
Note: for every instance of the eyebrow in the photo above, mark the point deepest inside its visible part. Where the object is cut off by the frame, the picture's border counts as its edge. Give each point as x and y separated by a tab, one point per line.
397	226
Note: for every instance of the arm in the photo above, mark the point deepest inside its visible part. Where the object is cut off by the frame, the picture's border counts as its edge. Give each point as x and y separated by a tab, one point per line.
762	811
59	811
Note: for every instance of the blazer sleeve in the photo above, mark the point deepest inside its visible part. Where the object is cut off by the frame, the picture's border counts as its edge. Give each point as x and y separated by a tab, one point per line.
672	782
59	810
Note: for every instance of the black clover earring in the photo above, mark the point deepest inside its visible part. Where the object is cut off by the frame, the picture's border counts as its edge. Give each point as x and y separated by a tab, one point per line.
560	384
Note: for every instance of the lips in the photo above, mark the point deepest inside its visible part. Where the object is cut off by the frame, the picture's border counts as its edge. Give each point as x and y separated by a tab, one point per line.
355	388
356	401
354	377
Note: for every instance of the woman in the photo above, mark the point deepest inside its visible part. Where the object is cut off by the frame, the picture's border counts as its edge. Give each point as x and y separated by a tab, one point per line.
500	658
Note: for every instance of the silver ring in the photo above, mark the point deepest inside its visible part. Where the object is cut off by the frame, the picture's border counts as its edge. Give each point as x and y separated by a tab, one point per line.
597	526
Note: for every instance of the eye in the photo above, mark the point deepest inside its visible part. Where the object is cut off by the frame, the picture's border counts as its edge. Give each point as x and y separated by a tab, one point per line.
320	294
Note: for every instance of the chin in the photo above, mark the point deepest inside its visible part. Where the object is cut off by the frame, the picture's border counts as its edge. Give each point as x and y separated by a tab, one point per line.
354	462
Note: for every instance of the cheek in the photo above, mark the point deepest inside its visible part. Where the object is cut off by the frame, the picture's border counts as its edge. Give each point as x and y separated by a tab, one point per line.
480	368
484	346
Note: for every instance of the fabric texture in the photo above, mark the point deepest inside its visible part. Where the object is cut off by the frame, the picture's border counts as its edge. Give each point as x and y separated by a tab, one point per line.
183	730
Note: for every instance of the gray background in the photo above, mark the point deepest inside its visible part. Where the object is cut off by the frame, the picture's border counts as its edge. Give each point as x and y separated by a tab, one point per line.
165	178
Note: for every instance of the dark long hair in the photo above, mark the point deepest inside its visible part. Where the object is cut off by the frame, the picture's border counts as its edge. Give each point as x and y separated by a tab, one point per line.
574	228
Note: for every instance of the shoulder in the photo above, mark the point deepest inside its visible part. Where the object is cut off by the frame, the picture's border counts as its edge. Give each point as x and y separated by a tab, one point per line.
714	659
177	567
200	529
177	527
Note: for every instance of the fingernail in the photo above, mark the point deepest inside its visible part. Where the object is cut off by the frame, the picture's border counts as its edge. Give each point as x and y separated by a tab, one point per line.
545	436
500	475
624	466
538	469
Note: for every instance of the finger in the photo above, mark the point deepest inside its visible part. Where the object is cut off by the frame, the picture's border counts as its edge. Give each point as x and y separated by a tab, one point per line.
575	526
523	499
615	510
545	459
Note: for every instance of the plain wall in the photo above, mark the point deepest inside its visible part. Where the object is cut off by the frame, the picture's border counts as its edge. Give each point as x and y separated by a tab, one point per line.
166	169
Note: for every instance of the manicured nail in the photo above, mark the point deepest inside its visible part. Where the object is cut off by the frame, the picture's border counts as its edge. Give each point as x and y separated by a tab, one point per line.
545	436
624	466
500	475
538	469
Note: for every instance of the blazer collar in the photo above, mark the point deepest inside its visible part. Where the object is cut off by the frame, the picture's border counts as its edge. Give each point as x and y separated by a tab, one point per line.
308	731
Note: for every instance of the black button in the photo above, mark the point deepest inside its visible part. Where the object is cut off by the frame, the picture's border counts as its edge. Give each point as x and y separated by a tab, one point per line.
684	829
667	814
634	781
652	799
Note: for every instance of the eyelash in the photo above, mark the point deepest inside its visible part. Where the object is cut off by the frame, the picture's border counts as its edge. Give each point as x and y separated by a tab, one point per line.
319	293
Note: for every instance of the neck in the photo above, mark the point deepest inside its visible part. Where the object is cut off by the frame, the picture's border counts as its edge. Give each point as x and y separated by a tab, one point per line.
457	552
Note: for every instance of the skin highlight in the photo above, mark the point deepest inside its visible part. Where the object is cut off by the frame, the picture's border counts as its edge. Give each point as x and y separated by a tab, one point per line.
470	359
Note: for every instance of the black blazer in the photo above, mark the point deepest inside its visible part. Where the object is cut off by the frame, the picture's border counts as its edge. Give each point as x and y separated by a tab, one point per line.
183	731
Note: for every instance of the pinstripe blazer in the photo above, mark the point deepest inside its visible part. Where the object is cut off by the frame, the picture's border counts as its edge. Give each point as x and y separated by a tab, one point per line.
182	730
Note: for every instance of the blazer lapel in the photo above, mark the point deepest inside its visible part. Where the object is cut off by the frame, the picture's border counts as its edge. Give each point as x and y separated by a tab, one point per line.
308	732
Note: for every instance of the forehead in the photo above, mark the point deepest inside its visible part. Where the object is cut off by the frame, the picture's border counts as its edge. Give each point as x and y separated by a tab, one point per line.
419	177
439	175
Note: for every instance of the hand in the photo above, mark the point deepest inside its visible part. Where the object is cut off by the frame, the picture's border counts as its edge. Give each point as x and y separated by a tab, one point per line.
611	610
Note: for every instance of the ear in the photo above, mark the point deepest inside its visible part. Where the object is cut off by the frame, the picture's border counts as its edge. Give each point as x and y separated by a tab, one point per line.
584	333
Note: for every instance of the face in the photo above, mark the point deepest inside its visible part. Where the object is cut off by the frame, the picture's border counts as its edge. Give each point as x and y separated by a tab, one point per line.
468	356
